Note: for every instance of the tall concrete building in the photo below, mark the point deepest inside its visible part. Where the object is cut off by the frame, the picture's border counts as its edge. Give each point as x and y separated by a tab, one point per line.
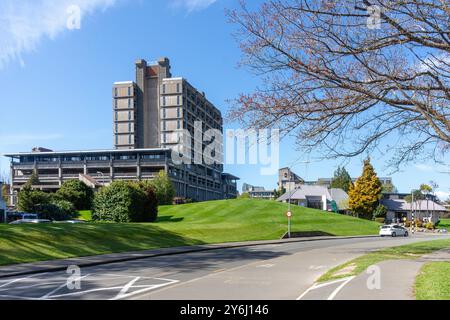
147	116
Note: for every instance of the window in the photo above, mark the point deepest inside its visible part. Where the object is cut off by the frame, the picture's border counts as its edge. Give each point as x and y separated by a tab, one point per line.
178	100
178	87
129	115
164	125
129	103
129	127
117	116
164	113
178	112
117	127
129	91
164	88
117	139
115	103
129	139
164	101
115	92
178	124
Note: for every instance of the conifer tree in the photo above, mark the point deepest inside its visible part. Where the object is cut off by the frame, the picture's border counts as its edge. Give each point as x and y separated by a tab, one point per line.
365	194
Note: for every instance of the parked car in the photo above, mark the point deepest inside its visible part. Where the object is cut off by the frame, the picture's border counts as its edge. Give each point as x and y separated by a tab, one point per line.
35	221
393	230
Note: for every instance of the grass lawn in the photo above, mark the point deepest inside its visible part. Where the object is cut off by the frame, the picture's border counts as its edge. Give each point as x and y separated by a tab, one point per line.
85	215
433	282
444	224
358	265
189	224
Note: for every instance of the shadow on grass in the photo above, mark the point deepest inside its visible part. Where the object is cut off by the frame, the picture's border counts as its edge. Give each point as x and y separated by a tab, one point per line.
169	219
27	243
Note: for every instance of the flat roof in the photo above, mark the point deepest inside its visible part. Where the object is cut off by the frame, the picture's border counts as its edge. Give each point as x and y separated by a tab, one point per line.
124	82
54	153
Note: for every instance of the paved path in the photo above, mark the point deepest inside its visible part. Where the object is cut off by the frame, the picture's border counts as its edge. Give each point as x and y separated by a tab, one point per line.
387	280
270	271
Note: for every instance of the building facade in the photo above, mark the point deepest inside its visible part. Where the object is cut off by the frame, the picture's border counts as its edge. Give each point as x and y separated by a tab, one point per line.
148	116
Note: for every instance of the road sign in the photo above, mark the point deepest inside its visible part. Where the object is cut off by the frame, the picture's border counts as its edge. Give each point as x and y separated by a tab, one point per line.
288	214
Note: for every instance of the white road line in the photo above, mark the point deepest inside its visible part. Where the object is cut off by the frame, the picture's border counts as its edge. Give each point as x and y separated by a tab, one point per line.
126	288
145	289
321	285
20	279
46	296
335	292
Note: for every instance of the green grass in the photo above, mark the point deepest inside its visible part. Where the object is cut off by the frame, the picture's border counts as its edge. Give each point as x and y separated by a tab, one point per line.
444	224
433	282
85	215
189	224
361	263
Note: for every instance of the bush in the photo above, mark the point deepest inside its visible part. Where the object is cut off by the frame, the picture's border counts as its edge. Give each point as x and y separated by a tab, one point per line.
437	223
380	212
163	188
244	195
78	193
429	225
150	213
28	199
56	210
122	201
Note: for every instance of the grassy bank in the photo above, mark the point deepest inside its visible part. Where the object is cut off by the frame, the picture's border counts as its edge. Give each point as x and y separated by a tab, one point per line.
410	251
196	223
433	282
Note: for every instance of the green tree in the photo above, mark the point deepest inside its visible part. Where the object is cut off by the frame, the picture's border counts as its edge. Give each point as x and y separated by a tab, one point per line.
151	204
163	187
388	188
380	212
365	193
341	179
28	199
77	193
34	179
121	201
5	192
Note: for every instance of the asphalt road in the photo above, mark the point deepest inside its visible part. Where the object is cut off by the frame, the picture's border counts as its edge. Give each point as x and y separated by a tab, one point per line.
280	271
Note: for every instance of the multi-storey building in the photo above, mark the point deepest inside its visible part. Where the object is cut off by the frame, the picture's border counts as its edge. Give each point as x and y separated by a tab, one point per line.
148	115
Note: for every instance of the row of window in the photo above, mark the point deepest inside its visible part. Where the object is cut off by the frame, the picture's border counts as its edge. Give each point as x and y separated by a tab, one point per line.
116	92
164	87
26	159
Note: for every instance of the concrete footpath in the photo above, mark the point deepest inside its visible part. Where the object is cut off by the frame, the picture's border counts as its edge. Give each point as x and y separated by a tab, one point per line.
387	280
89	261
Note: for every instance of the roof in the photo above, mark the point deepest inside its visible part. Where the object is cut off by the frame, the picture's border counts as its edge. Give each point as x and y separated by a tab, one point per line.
338	195
402	205
304	191
229	175
56	153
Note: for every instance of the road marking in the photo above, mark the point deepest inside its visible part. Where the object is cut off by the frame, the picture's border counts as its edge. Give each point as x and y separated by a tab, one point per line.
20	279
269	265
325	284
62	286
124	290
335	292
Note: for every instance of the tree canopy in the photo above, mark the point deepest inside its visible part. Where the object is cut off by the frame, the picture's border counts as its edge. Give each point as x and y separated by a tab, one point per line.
350	76
365	194
341	179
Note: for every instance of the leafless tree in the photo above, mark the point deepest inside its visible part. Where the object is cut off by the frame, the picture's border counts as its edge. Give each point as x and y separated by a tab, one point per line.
348	76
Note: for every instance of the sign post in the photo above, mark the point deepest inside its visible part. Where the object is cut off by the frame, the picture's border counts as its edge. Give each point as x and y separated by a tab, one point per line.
289	215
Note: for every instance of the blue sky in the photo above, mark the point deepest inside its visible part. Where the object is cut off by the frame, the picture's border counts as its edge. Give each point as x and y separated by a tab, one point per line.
56	83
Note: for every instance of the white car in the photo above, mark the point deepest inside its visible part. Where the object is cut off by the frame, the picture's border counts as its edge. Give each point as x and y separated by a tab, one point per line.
393	230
